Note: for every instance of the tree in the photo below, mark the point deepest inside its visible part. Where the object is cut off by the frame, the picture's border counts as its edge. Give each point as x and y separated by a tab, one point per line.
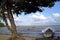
19	6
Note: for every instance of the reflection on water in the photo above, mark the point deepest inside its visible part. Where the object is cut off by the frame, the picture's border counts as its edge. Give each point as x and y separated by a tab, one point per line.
33	32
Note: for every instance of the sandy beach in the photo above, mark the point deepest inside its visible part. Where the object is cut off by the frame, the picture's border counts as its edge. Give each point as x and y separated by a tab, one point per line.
6	37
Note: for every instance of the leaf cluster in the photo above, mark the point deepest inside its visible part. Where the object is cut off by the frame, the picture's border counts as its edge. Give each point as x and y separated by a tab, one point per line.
27	6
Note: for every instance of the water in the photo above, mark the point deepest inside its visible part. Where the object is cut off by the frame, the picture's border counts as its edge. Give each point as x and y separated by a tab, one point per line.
32	32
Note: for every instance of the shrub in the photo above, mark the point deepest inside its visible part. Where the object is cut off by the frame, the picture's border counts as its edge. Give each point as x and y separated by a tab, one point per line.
2	24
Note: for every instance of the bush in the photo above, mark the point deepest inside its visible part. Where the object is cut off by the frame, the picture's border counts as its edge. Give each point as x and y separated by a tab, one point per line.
1	25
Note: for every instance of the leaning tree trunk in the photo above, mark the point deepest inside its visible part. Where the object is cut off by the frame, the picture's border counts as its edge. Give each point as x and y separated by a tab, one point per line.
9	15
5	20
13	26
12	29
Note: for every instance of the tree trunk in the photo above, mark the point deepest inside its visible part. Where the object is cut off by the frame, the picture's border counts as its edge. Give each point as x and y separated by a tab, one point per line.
6	23
13	26
5	19
10	17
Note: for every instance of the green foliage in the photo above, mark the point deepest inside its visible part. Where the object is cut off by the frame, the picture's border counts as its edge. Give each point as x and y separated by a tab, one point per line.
1	24
0	16
27	6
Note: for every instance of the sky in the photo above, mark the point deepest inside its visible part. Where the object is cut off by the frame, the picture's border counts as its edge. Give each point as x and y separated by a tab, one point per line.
50	16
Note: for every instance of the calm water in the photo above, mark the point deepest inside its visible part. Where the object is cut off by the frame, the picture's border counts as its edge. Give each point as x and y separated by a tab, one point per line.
32	32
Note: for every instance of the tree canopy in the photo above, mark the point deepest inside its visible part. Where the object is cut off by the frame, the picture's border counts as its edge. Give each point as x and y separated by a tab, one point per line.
27	6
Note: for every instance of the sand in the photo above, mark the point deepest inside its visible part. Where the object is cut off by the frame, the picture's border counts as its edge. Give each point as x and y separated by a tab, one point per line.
6	37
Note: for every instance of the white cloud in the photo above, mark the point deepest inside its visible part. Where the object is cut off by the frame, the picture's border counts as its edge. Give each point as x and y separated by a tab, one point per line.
37	19
17	19
54	19
39	16
56	15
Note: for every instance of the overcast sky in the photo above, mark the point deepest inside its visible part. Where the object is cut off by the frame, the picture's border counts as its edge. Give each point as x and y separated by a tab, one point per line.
50	16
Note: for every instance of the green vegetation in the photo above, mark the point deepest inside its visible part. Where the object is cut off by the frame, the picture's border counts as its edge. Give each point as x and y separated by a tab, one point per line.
1	24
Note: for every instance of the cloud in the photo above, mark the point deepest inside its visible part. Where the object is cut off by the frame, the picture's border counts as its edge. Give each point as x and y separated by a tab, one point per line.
54	19
57	18
56	15
37	19
39	16
18	18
